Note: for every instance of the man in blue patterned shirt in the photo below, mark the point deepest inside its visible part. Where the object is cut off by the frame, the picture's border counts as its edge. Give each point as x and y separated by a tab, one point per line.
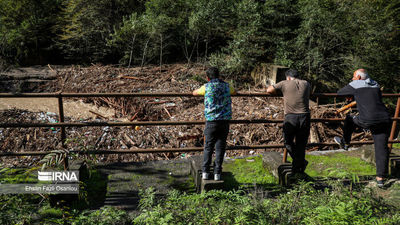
218	112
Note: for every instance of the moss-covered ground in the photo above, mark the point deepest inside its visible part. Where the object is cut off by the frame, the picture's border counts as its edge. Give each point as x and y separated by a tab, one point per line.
338	165
247	173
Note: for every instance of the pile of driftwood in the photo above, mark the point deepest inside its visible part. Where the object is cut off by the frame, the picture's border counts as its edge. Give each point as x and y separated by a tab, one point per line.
177	79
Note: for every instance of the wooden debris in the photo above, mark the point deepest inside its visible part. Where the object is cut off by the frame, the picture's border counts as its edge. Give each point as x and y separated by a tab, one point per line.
130	77
314	137
93	79
98	114
166	110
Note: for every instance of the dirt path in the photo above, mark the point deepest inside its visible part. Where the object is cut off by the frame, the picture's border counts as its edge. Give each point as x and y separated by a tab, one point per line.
73	109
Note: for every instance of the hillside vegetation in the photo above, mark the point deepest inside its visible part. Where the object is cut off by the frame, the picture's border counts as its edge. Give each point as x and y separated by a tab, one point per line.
324	39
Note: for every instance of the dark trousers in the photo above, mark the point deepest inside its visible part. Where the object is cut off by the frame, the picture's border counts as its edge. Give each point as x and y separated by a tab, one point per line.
215	134
296	129
380	134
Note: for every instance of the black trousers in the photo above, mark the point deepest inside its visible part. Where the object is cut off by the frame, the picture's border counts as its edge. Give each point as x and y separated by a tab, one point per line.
296	129
215	134
380	134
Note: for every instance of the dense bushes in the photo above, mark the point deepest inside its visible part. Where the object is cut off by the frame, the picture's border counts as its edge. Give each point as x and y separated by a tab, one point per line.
324	39
301	205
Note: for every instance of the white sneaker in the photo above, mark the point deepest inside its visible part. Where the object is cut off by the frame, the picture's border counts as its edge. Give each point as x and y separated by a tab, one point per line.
217	176
341	143
205	176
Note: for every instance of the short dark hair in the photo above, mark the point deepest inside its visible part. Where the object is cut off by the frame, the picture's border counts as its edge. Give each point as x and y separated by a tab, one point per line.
291	73
212	72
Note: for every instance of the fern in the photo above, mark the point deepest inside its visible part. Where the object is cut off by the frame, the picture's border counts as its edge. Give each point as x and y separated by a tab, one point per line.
57	156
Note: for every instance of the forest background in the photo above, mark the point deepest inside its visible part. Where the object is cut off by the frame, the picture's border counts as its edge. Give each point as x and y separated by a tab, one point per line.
326	40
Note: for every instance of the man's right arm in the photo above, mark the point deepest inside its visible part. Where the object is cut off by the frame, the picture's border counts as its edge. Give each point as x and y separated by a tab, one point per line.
347	90
273	88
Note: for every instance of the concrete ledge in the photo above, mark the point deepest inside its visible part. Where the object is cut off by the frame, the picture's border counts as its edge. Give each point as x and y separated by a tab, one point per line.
195	171
82	167
394	164
68	199
282	171
203	185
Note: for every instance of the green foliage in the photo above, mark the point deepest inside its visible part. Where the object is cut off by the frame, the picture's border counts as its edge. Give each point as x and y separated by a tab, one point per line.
18	175
47	211
324	39
212	207
54	158
300	205
128	38
336	37
281	20
211	23
25	29
18	209
246	47
378	49
103	216
84	27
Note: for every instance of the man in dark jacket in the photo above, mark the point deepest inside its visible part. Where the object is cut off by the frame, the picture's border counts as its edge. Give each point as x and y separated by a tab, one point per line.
373	115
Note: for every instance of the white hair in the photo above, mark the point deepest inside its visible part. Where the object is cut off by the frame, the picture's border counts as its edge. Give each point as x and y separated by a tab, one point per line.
362	73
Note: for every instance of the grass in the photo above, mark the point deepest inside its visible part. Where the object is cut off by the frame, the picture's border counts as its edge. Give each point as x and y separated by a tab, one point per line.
338	165
248	171
18	175
392	195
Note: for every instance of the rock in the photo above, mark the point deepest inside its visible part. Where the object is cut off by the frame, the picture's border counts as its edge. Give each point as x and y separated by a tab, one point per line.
368	153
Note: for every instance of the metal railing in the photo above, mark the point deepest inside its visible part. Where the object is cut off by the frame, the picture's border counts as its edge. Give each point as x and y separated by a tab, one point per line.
62	124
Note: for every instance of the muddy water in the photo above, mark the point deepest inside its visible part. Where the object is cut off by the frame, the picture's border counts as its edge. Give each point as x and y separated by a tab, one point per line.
74	109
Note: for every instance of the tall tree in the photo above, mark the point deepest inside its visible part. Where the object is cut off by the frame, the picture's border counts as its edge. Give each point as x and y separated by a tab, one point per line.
211	23
376	40
323	41
247	45
25	30
280	21
128	38
86	25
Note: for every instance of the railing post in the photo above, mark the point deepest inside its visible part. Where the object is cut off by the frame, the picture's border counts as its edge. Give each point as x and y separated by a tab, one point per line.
61	119
284	160
394	124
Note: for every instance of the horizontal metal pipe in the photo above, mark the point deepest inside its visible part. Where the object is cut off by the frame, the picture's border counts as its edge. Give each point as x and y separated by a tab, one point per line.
328	95
190	149
85	95
156	123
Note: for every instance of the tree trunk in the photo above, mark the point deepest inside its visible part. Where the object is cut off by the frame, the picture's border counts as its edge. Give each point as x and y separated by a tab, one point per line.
161	50
144	52
130	56
205	54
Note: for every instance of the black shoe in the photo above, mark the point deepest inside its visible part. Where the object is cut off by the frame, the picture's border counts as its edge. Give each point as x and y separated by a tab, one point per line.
341	143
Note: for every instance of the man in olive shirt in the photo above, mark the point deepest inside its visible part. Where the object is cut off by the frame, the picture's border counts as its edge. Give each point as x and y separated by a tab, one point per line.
296	126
